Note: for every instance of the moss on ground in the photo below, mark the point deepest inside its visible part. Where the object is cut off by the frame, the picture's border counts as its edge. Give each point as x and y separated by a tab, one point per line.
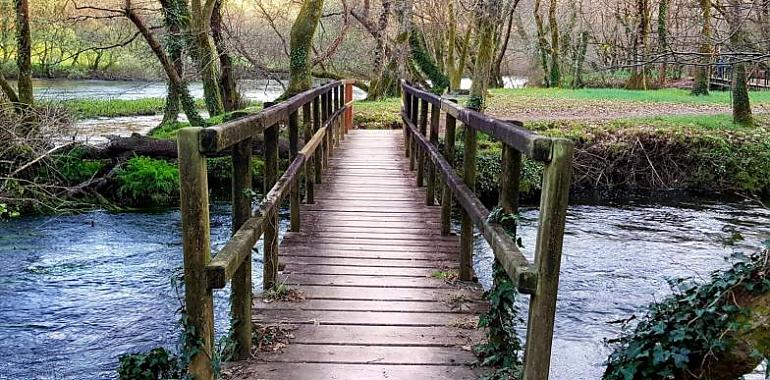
381	114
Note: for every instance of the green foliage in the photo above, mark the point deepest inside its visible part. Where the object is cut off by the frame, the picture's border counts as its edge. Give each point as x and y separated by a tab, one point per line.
679	333
8	212
148	182
75	169
169	130
156	364
425	63
380	114
220	171
502	346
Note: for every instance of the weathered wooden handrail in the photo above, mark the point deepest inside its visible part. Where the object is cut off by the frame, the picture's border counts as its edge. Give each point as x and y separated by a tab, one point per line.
541	279
326	116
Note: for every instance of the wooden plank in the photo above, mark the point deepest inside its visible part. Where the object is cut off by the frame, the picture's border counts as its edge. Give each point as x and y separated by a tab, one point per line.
383	336
358	270
364	281
375	306
340	371
372	354
366	262
387	294
360	318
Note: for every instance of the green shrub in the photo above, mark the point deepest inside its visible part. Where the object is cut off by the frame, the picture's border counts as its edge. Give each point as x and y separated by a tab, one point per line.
149	182
75	169
156	364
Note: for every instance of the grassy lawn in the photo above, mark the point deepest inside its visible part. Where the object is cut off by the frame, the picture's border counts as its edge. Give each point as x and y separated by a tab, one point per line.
667	95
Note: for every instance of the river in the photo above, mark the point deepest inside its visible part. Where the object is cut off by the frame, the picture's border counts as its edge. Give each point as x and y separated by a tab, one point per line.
77	291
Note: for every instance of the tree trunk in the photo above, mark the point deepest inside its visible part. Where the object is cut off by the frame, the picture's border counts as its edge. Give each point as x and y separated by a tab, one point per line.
231	99
486	19
497	77
638	80
555	80
24	53
703	70
204	54
738	43
387	83
376	92
301	45
663	39
187	101
174	46
8	90
542	44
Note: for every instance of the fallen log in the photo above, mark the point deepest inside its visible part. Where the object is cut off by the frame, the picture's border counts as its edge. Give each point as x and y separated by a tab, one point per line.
140	145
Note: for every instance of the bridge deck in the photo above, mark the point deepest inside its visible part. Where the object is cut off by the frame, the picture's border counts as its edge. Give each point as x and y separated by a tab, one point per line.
366	263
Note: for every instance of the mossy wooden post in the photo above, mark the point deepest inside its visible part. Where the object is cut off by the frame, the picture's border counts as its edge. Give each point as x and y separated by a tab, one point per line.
196	245
466	231
406	103
413	141
324	117
307	129
318	159
446	193
423	131
240	299
510	179
550	237
430	194
293	150
270	272
349	111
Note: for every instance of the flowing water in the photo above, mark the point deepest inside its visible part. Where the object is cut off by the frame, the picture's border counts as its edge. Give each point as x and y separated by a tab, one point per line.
77	291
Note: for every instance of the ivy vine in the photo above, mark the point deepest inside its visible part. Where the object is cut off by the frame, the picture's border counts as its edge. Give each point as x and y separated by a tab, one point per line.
688	330
502	346
425	63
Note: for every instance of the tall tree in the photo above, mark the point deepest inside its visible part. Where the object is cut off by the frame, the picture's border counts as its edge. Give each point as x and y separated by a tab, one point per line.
231	99
703	69
638	79
542	44
23	95
24	53
204	53
301	45
175	23
486	13
455	64
736	19
180	86
555	77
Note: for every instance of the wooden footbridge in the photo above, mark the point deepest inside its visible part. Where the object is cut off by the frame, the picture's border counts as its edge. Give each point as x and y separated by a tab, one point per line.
369	242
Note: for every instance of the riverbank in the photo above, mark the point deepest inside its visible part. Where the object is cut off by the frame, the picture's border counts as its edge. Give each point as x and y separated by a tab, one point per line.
628	142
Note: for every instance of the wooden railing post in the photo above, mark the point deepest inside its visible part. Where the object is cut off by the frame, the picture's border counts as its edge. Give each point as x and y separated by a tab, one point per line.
446	193
413	142
430	193
420	153
307	128
510	177
349	111
325	116
293	150
270	272
194	196
466	231
240	299
548	248
319	153
406	102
